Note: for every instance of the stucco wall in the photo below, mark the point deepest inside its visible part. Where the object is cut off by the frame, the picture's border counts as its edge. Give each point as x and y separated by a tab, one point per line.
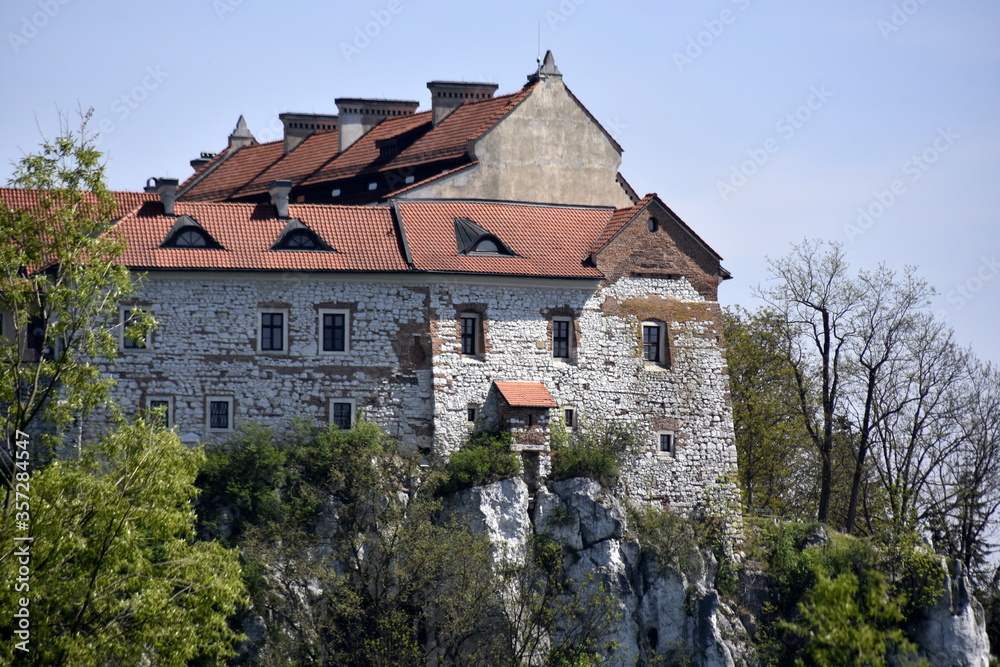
546	150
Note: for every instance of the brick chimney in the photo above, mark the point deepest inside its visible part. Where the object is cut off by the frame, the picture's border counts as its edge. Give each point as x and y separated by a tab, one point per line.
166	188
199	162
241	136
280	191
446	96
357	116
298	127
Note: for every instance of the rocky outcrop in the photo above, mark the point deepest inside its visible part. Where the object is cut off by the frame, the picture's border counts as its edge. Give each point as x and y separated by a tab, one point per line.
953	634
500	510
660	609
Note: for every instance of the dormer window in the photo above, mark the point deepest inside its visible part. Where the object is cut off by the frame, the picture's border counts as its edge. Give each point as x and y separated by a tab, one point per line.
473	240
298	240
486	245
187	233
296	236
191	238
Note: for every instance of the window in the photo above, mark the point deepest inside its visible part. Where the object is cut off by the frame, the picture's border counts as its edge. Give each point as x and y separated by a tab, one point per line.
652	225
562	336
300	240
342	413
569	417
219	414
470	333
667	448
190	238
162	408
129	318
273	332
472	412
333	326
654	342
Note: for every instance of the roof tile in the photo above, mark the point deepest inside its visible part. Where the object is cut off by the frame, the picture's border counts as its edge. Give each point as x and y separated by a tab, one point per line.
526	394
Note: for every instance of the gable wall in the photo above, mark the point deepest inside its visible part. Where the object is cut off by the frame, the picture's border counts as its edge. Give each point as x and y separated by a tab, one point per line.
669	250
546	150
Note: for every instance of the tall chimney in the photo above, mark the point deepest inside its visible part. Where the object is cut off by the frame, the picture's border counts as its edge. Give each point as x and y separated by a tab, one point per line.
280	191
446	96
298	127
241	136
166	188
357	116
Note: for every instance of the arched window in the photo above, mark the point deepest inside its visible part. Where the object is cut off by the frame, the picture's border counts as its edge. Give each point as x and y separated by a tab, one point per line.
190	238
486	245
300	241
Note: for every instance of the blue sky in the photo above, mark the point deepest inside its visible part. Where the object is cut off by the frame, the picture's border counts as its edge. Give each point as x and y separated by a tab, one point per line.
759	122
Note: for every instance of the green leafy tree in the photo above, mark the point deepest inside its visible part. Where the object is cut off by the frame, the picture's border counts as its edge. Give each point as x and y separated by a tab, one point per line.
117	576
770	432
60	286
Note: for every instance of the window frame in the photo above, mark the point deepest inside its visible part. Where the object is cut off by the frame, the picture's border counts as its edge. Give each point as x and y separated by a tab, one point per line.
124	345
353	403
670	453
231	413
323	312
477	334
662	351
570	338
472	410
570	420
261	312
169	400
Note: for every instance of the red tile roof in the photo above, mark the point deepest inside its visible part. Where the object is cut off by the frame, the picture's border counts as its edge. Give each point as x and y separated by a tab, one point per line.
236	171
526	394
364	238
250	170
19	198
315	151
549	240
620	218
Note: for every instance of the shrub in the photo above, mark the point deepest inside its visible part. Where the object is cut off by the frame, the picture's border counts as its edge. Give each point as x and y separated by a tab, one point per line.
667	538
485	457
595	451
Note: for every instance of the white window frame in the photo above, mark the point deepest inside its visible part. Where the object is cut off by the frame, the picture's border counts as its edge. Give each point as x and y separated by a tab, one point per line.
672	453
169	400
121	334
570	344
478	331
354	408
284	329
662	351
208	413
347	330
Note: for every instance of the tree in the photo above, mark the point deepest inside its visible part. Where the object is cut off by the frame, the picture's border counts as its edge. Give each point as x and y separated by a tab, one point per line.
815	300
116	576
60	285
770	432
